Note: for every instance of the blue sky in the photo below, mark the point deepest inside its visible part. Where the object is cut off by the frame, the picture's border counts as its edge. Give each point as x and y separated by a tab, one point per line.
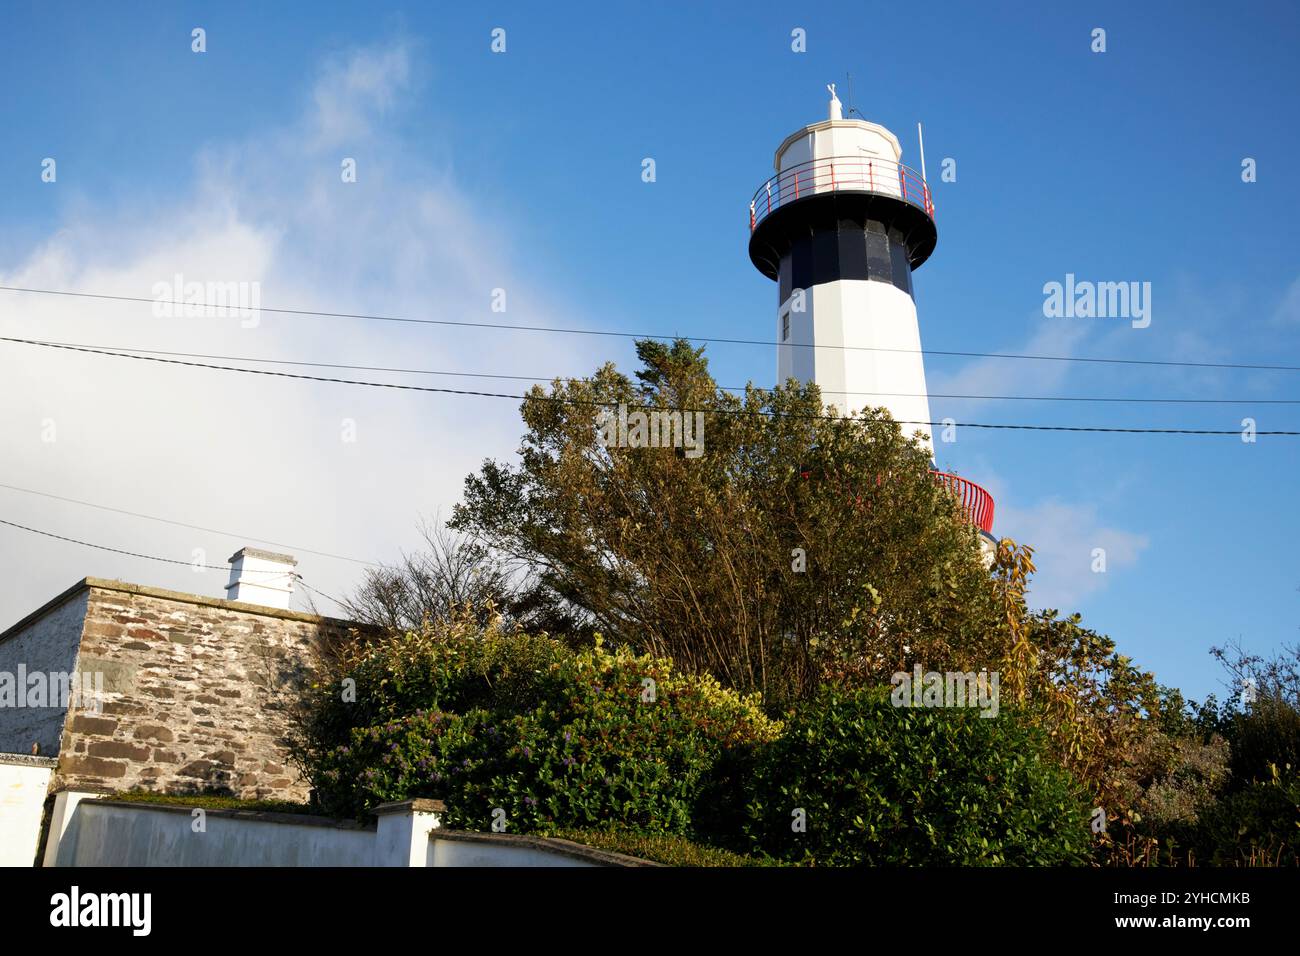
522	170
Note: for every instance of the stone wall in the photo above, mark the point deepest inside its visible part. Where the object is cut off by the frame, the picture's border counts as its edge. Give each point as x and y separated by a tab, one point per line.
45	644
196	691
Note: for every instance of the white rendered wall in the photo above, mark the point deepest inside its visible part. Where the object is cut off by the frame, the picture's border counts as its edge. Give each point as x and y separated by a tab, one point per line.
488	853
106	834
23	785
90	831
859	314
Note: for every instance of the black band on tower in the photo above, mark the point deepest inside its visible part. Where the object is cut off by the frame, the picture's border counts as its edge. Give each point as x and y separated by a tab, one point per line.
843	234
849	250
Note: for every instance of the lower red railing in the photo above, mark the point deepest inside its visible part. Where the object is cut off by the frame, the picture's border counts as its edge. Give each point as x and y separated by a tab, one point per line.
975	501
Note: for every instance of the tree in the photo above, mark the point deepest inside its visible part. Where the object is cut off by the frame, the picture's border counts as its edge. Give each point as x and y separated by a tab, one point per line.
1261	713
787	549
452	576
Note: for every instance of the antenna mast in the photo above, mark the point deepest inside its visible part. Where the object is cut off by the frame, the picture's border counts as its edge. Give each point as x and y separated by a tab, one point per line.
921	141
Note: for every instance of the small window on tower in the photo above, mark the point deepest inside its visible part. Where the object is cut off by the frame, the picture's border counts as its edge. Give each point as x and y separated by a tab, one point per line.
785	327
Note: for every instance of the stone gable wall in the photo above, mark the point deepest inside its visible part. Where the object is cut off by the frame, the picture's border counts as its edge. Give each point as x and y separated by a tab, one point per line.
47	645
196	693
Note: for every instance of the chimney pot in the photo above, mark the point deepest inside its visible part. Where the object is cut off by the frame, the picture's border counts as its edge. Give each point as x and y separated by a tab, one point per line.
261	577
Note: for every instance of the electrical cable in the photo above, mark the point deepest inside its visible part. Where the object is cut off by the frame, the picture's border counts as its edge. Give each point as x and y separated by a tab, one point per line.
599	404
711	340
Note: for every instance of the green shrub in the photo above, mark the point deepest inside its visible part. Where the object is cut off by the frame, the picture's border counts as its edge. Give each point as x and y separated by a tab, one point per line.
669	849
614	740
1169	781
918	786
1256	826
452	665
1265	734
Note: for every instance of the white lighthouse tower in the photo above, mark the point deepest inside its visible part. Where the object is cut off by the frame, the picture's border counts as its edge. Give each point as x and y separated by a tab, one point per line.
841	227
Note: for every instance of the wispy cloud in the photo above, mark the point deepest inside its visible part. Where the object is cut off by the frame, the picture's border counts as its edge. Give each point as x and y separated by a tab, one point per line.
357	91
1076	550
1288	310
993	376
258	455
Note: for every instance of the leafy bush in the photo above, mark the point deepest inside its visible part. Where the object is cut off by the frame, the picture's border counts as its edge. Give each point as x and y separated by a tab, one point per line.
1264	734
919	786
1169	781
1256	826
1201	784
663	848
524	725
453	665
1261	718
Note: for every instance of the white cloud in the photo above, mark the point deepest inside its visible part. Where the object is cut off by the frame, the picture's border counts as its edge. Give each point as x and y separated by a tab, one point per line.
252	454
355	91
1064	537
995	376
1288	310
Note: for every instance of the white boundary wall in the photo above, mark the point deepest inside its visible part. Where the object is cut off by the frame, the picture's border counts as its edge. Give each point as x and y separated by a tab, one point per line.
86	830
24	783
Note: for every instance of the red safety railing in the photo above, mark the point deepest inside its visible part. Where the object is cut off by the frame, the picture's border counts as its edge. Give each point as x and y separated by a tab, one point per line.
840	174
975	501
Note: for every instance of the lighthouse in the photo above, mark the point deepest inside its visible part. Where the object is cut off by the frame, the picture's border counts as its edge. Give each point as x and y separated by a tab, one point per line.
841	228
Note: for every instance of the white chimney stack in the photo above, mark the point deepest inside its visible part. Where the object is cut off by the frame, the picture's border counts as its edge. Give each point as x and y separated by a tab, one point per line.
261	577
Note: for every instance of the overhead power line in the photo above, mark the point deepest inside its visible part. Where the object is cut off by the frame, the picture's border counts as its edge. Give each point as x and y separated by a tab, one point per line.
607	404
541	379
710	340
153	557
192	527
132	554
327	597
